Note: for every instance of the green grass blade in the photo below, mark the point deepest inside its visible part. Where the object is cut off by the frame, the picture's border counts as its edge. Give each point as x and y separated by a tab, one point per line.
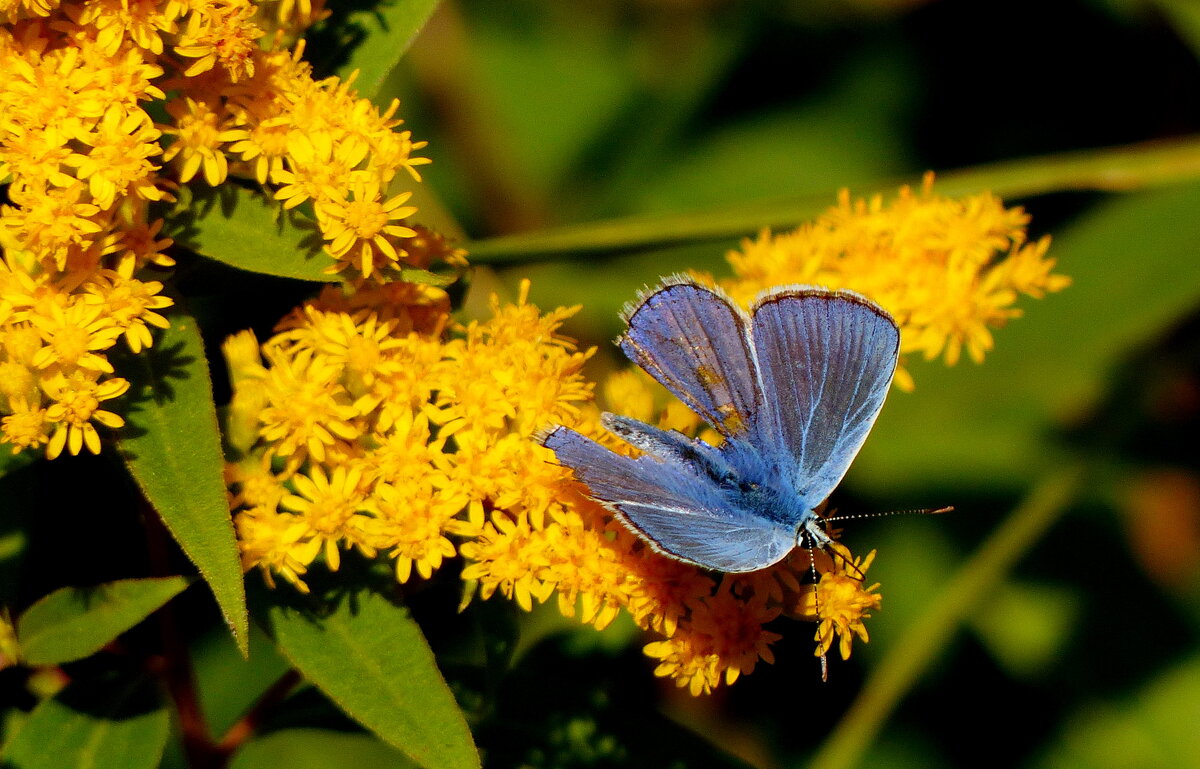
1117	168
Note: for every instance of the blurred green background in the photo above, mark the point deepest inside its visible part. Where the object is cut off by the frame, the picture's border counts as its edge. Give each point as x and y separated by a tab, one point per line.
545	116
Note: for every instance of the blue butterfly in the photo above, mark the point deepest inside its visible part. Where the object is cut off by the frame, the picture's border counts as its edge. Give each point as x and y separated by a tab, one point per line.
793	386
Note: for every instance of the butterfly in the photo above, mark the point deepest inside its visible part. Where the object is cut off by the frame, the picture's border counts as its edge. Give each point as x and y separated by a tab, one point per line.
793	386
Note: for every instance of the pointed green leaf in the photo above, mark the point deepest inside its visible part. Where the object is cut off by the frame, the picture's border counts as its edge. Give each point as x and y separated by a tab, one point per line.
74	622
368	655
172	447
116	723
384	32
319	749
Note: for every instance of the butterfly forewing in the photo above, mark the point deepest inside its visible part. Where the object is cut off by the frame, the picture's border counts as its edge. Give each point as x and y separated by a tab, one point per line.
678	510
826	360
694	341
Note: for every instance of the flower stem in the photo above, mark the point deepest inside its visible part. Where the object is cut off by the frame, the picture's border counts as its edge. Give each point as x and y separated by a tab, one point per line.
932	631
253	718
174	665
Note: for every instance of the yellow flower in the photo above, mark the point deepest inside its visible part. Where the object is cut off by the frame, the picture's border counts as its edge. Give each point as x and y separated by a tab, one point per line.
140	245
220	31
254	485
130	305
411	524
841	602
76	403
300	13
318	168
73	335
361	230
141	21
26	426
81	156
506	556
13	9
276	543
723	639
264	143
120	144
50	221
328	505
199	136
307	410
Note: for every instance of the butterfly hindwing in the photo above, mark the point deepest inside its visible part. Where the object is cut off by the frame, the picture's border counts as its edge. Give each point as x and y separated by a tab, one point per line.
676	506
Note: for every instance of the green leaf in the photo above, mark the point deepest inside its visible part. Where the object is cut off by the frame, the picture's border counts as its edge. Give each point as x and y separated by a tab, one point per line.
1134	270
368	655
319	749
247	230
378	38
172	447
113	723
74	622
1119	168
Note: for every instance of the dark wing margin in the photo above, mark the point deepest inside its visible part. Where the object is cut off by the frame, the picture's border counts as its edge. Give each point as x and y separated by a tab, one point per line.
826	360
679	514
694	341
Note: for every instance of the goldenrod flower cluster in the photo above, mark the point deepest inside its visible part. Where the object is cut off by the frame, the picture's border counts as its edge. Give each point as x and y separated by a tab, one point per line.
86	164
948	270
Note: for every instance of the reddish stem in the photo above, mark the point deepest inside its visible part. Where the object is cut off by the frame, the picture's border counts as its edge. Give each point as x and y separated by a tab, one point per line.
174	665
245	726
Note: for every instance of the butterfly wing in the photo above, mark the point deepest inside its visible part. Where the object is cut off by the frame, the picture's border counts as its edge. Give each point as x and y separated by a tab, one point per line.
680	511
694	341
826	360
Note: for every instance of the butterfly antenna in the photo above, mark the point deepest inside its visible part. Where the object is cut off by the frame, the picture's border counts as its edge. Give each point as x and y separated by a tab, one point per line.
810	545
915	511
